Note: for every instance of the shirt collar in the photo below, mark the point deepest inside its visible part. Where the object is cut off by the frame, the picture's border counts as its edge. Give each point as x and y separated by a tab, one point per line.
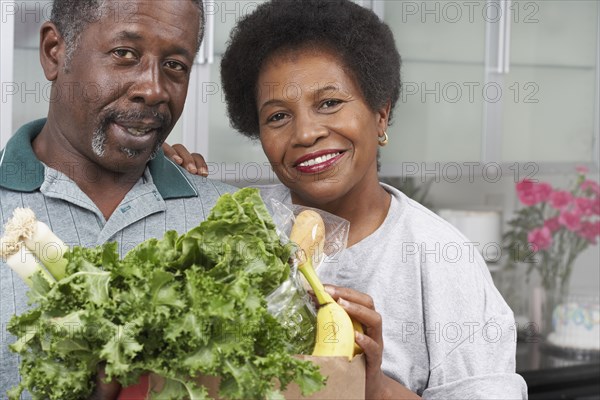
20	169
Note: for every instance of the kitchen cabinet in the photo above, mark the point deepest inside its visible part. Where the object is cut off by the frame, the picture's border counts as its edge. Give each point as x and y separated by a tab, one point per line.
484	81
495	81
438	117
552	100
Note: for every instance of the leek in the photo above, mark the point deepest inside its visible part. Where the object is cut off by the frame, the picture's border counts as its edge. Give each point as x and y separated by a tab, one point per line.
21	260
37	237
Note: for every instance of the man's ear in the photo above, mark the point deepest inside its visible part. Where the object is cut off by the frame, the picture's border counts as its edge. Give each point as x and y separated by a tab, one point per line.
52	50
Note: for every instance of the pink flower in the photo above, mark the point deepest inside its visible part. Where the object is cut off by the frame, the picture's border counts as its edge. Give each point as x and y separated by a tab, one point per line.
582	169
552	224
531	193
595	206
570	219
590	185
541	238
560	199
590	231
586	206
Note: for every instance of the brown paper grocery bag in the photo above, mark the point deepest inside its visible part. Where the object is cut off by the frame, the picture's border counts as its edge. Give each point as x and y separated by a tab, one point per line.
345	380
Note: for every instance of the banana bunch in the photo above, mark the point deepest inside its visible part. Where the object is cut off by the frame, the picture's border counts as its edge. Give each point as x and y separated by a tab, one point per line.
335	328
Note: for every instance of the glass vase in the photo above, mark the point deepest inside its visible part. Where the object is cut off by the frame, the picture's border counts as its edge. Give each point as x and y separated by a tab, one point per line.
553	293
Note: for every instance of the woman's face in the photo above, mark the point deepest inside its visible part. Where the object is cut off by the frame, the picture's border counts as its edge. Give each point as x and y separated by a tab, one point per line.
316	129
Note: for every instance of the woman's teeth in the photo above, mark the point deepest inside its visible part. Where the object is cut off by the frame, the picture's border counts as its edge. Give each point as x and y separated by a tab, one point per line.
138	132
318	160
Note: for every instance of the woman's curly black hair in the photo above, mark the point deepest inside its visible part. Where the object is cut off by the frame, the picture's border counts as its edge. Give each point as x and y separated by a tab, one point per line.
356	35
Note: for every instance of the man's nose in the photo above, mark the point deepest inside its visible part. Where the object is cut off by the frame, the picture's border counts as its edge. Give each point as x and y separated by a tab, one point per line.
149	87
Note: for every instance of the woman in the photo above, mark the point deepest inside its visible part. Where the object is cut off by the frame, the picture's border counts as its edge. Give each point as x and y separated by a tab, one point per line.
316	81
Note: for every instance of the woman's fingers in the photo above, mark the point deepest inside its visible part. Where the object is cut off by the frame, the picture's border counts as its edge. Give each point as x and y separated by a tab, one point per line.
372	349
368	317
350	295
171	153
187	160
193	163
200	164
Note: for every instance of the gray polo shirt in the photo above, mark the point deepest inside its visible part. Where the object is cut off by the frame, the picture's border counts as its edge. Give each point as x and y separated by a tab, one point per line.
165	198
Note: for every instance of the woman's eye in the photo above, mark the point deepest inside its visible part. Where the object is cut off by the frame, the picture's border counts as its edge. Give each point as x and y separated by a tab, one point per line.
276	117
330	103
124	53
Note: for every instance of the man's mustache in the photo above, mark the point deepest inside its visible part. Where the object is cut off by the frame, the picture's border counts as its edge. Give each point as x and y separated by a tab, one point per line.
160	122
154	117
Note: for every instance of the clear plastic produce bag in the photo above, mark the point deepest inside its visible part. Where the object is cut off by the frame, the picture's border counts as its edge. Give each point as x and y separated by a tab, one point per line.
290	303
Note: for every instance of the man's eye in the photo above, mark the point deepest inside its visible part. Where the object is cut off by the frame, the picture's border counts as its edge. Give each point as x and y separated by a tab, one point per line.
175	65
124	53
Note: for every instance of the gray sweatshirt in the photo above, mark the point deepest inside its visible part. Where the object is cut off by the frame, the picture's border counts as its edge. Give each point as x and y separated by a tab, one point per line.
447	331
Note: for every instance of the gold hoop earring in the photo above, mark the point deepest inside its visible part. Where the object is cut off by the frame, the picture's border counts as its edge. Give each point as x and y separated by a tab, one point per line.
383	140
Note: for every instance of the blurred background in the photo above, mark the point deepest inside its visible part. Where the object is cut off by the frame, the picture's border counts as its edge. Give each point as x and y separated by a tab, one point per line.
494	92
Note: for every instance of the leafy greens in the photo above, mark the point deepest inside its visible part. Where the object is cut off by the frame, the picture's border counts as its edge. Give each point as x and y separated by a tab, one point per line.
182	306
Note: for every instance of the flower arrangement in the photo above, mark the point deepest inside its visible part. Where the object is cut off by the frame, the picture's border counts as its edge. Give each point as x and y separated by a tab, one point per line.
554	227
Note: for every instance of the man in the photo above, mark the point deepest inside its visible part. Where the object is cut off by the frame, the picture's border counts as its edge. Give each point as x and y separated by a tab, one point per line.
93	170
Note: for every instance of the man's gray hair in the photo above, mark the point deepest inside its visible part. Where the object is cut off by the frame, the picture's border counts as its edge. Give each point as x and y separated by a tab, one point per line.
71	17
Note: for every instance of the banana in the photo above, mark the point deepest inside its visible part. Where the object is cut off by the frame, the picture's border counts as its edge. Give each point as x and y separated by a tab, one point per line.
335	330
335	333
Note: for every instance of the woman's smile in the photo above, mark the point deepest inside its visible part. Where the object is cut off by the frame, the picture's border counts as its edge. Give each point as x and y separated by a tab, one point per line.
318	161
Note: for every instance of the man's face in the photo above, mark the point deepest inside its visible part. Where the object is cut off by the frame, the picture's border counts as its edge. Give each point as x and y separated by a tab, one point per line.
126	83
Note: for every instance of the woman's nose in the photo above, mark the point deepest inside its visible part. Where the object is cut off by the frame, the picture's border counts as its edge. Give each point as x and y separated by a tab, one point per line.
308	130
